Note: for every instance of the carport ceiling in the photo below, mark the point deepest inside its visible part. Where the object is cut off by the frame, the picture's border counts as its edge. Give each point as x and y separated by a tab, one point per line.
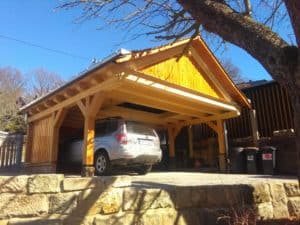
158	86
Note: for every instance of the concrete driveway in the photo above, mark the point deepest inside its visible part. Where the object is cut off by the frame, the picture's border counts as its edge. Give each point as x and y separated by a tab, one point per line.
198	179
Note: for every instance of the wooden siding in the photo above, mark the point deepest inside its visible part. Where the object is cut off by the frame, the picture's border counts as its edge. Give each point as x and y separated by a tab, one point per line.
183	73
273	112
41	140
273	108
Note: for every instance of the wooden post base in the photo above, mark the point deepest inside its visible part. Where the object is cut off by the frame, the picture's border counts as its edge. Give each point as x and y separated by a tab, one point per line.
87	171
222	163
172	163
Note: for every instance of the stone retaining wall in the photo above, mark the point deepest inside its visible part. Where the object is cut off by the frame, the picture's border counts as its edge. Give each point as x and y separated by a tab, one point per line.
56	200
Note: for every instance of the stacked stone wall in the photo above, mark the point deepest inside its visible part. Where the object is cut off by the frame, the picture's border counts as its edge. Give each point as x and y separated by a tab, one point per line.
57	200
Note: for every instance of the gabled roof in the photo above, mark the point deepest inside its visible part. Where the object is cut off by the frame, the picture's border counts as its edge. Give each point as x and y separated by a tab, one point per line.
141	59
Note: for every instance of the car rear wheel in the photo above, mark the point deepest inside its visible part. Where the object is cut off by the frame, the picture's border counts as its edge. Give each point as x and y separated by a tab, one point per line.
101	163
144	169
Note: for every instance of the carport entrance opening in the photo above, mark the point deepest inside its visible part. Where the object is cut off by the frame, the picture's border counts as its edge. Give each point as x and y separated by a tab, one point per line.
148	86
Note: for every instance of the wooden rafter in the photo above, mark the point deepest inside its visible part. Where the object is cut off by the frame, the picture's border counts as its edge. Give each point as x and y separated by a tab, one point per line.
109	84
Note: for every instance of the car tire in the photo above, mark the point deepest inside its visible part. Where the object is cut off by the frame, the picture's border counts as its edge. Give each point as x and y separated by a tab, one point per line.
144	169
101	163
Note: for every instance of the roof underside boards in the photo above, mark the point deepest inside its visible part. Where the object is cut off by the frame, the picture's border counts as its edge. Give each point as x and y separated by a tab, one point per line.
153	86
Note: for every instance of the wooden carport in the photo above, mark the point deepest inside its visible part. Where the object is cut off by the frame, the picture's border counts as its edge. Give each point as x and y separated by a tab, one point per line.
171	86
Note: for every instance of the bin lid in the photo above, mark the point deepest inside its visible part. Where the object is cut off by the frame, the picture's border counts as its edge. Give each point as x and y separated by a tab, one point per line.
251	149
268	148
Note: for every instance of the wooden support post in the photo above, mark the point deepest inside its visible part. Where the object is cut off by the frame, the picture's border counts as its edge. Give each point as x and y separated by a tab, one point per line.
57	119
172	133
254	127
191	145
28	149
89	108
222	145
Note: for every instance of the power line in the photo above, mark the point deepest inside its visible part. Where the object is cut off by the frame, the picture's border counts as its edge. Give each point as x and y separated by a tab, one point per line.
44	48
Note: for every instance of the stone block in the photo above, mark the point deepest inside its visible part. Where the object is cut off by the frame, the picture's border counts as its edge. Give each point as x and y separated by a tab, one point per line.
13	184
63	203
3	222
187	197
116	181
136	199
35	221
97	201
261	193
13	205
82	183
292	189
49	183
279	201
76	220
117	219
219	196
264	211
294	207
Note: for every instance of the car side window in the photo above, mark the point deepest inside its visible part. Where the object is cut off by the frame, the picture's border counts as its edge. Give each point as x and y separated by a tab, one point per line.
101	128
111	127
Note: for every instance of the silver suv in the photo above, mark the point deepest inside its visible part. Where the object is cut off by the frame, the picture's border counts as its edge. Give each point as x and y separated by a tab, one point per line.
120	143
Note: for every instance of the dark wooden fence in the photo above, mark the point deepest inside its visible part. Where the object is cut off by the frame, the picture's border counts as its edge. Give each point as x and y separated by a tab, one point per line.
273	112
11	146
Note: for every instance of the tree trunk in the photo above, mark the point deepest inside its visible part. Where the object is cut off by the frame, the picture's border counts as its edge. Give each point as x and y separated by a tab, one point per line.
296	107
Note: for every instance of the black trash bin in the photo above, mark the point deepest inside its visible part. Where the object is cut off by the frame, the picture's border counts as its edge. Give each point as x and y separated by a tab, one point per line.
251	159
237	160
267	156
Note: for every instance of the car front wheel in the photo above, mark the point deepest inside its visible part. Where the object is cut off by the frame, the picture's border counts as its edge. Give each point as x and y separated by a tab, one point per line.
101	163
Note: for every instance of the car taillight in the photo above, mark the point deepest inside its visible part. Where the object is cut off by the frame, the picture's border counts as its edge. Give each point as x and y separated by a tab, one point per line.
122	138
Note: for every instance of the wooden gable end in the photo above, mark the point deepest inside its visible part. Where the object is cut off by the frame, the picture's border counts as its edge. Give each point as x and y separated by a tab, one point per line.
183	72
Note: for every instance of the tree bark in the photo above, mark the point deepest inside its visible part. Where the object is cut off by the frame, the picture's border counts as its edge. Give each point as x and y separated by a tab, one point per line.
293	7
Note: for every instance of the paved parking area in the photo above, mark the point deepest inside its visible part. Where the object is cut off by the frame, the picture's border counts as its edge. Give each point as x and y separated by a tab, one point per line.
198	179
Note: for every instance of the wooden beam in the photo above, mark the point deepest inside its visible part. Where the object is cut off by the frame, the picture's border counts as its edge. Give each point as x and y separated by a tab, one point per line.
130	114
171	141
82	107
96	103
222	146
57	119
150	101
109	84
254	127
212	125
191	142
155	80
222	116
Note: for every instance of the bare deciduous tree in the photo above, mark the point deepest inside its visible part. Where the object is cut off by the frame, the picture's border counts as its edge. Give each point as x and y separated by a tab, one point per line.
233	71
16	90
252	27
12	86
43	82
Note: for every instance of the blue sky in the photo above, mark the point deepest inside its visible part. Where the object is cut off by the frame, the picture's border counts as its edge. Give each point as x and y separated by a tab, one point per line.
38	22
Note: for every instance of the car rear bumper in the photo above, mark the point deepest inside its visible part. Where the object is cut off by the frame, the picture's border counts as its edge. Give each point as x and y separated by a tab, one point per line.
139	160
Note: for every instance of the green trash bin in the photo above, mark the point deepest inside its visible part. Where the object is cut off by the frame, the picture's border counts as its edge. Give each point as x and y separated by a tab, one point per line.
267	159
251	159
237	160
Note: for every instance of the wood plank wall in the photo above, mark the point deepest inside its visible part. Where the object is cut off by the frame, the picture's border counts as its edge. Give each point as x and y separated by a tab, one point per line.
41	140
273	109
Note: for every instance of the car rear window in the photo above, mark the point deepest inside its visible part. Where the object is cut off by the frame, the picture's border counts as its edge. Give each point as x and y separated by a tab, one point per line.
139	129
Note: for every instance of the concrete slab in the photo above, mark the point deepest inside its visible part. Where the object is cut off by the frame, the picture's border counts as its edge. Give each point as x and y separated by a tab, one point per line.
200	179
